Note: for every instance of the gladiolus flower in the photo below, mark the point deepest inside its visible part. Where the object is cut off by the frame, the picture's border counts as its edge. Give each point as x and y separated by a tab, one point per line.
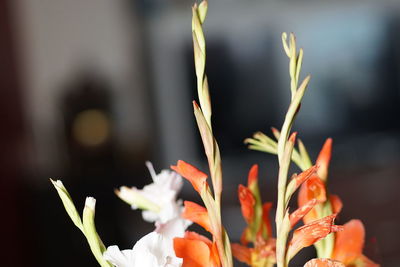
158	199
313	188
152	250
192	174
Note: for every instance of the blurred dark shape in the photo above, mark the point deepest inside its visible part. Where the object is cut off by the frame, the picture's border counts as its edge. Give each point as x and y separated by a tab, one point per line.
90	152
93	167
14	197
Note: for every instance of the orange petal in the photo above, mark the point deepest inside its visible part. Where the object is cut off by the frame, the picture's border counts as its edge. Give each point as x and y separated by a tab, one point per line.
215	261
241	253
323	263
195	236
197	214
336	203
314	187
349	242
266	219
253	175
302	177
300	212
196	251
310	233
192	174
324	158
247	202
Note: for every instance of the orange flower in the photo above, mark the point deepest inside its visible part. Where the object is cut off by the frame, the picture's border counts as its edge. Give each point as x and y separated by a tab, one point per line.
349	244
192	174
196	251
323	263
314	187
197	214
312	232
258	230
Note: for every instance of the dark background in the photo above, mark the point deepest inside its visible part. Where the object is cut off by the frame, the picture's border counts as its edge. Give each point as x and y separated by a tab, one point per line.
91	89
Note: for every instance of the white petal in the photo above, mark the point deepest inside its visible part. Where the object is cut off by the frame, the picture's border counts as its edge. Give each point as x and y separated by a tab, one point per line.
173	228
119	259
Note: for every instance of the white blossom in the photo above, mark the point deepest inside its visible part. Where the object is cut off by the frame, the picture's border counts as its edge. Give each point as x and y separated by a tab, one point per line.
158	199
153	250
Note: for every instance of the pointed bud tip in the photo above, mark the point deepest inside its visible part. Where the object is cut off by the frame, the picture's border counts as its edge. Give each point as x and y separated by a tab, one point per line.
292	137
195	105
253	175
90	203
57	183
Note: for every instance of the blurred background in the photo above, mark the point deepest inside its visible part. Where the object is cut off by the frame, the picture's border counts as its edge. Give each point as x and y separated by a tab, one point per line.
91	89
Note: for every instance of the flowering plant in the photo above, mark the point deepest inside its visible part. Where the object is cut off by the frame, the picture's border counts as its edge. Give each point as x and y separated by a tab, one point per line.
170	244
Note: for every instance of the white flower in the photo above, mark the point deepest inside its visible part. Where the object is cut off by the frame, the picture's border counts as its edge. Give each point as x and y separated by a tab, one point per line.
119	258
158	199
152	250
159	204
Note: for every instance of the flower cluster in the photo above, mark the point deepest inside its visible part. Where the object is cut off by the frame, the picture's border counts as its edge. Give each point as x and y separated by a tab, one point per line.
160	205
171	245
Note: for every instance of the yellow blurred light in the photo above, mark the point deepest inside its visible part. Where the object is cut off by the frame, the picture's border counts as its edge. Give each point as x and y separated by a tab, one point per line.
91	127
